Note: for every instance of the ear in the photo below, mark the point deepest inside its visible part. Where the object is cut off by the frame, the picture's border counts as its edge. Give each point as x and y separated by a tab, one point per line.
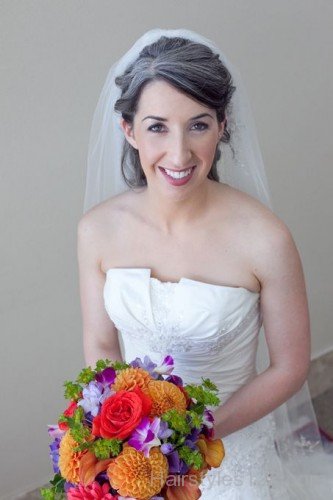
127	128
222	126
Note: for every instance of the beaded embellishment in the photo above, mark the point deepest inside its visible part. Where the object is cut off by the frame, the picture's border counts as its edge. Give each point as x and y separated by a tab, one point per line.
166	335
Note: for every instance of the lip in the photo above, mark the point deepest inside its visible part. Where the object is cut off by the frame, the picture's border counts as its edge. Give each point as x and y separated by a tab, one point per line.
177	182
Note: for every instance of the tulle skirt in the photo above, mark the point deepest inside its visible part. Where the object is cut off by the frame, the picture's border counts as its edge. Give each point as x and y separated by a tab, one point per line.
253	469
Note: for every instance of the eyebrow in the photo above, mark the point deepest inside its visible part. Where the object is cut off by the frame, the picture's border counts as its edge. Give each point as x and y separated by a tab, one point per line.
160	119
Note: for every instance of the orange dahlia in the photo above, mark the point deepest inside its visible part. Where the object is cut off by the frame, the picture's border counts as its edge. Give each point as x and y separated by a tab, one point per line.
130	378
165	396
69	461
134	475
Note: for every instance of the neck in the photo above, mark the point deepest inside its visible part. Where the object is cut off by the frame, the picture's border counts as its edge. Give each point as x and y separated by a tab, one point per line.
173	214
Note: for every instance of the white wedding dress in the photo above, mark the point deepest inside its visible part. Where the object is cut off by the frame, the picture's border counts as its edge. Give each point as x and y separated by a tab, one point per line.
212	331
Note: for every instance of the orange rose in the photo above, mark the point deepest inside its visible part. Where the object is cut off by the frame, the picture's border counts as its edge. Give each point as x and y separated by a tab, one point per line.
121	413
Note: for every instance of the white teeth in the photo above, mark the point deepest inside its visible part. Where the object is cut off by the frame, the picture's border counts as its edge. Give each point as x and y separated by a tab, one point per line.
178	175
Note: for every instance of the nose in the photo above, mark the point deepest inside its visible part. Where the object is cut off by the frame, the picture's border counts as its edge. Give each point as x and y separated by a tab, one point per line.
180	153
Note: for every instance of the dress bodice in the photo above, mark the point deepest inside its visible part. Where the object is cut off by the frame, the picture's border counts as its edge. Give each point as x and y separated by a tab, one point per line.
210	330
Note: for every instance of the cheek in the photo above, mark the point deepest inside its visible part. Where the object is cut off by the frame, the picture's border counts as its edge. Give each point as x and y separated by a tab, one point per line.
149	151
207	149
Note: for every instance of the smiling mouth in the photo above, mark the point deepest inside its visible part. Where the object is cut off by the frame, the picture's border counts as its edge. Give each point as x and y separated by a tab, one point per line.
178	174
182	170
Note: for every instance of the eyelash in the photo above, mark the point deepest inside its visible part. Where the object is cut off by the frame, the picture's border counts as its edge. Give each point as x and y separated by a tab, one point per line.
203	126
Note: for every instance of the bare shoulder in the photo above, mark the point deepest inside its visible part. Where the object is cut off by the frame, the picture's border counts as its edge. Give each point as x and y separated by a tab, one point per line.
103	217
265	236
254	215
99	227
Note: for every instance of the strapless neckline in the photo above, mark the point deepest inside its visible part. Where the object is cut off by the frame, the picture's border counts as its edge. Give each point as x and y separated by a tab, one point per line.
183	280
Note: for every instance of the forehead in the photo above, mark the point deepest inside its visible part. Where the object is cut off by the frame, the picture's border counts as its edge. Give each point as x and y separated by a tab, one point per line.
159	97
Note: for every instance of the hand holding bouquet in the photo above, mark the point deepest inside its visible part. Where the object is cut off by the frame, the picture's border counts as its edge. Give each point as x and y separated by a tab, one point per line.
133	431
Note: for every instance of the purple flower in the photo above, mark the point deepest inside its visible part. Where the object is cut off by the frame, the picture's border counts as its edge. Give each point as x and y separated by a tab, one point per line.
184	468
174	379
208	419
93	396
54	431
145	435
194	435
147	364
107	376
166	367
54	454
56	434
167	448
209	433
106	394
164	432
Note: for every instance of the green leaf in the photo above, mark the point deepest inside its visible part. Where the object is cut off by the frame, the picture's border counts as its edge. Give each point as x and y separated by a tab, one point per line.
86	375
195	419
177	421
57	490
105	448
101	364
72	391
47	493
202	395
58	482
119	365
191	457
209	384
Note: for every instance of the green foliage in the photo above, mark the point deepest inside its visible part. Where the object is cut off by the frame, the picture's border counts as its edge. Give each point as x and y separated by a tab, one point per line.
209	384
81	434
119	365
193	458
57	491
72	391
101	364
86	375
196	419
203	394
106	448
177	421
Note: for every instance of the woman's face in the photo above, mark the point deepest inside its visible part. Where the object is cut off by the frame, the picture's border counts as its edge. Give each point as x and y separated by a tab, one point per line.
176	138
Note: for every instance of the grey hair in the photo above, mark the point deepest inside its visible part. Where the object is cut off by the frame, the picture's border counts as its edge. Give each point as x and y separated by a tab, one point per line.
192	68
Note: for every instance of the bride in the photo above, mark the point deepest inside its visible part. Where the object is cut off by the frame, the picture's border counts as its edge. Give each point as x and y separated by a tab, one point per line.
180	253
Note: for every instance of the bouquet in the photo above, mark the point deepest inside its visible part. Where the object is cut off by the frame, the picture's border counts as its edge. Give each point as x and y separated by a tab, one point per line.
133	431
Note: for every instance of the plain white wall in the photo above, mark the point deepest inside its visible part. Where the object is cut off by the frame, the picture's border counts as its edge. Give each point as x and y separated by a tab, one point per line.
54	59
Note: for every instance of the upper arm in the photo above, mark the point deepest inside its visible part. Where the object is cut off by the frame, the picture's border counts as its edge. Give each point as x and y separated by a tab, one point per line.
283	300
99	331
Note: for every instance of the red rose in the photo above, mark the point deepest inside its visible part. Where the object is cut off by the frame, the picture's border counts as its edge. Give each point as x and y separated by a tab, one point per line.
121	413
69	412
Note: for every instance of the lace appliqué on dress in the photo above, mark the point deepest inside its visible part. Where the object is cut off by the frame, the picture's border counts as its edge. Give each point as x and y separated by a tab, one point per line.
166	335
250	462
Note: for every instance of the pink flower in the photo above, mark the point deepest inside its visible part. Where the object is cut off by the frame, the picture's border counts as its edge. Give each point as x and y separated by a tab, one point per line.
92	492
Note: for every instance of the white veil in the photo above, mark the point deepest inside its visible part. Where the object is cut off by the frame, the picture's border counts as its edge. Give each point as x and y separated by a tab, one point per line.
297	434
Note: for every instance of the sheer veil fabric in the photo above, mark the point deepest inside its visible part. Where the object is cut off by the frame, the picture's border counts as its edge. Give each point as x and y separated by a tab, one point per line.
241	165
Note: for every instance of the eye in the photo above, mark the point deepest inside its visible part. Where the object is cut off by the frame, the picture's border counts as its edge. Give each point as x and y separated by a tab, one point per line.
156	127
200	126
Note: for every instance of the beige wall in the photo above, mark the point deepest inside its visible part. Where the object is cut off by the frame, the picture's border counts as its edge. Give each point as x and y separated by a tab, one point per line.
55	57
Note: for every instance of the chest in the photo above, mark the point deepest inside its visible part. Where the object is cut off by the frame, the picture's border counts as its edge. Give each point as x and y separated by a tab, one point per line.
212	253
